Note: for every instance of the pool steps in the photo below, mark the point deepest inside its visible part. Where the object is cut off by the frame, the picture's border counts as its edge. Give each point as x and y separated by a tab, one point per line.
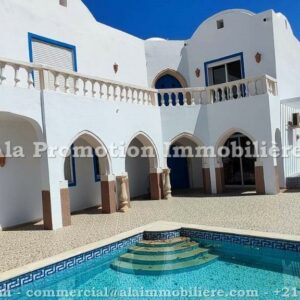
163	257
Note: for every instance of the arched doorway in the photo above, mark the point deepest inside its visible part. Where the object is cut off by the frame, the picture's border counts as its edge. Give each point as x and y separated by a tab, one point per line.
86	169
169	79
141	165
239	170
20	171
188	168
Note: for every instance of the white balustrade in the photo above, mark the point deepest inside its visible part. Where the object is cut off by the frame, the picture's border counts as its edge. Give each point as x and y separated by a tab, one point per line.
33	76
219	93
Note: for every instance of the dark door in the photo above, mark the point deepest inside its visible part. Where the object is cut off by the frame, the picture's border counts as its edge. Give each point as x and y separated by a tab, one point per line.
179	171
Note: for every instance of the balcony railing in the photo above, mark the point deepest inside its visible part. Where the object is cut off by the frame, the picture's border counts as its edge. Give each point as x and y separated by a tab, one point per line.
33	76
219	93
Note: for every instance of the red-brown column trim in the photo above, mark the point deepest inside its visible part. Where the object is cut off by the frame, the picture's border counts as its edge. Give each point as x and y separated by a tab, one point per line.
108	194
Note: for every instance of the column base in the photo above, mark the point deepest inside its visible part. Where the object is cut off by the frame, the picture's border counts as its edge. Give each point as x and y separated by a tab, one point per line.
259	180
277	179
47	216
65	208
220	180
206	180
161	180
155	186
108	195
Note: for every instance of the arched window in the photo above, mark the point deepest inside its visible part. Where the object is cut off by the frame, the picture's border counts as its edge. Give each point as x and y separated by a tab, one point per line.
168	81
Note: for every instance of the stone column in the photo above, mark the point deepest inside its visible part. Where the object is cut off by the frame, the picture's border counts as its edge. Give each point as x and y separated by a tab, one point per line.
50	210
206	180
2	159
155	184
108	194
167	184
123	195
55	194
259	178
219	178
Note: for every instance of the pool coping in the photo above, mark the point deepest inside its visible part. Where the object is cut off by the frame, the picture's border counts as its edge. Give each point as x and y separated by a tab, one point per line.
156	227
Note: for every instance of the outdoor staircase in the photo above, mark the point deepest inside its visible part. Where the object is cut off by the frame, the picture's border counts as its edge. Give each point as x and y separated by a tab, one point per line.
163	257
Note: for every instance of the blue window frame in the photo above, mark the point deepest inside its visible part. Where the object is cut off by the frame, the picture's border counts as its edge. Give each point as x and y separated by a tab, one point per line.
32	36
72	181
96	163
238	56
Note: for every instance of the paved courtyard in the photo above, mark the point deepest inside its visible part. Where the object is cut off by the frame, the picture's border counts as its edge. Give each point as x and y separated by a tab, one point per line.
278	213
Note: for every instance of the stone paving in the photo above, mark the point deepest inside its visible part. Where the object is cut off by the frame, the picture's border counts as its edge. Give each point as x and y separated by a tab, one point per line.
278	214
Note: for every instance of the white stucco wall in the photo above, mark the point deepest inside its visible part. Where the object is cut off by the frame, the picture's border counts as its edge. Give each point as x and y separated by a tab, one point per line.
98	46
287	49
243	32
162	55
20	183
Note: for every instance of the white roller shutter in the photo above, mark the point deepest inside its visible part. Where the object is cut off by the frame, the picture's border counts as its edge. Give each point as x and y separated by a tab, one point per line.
54	56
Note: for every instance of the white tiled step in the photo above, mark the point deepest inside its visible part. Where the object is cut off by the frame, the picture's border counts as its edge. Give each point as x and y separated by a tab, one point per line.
182	247
131	268
163	243
163	258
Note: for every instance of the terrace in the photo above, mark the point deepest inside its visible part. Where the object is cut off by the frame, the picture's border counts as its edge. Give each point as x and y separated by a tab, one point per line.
42	77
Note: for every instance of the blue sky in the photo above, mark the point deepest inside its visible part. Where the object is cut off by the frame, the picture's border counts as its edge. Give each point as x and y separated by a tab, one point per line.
178	19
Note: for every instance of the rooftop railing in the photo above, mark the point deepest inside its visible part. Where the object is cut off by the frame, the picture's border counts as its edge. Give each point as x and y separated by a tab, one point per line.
42	77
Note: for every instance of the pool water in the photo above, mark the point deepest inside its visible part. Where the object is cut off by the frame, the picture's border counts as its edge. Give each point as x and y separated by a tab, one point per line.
239	273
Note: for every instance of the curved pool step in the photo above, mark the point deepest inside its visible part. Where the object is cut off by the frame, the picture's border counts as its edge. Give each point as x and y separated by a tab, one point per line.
182	247
163	258
163	243
138	269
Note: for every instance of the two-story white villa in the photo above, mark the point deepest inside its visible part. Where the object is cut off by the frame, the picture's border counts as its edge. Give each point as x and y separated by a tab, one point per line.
67	80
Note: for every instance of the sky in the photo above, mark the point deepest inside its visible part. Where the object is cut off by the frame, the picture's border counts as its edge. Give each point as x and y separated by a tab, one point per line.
179	19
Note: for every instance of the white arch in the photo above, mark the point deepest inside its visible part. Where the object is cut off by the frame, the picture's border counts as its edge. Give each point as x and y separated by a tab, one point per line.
173	73
95	141
147	141
191	137
188	136
227	134
36	126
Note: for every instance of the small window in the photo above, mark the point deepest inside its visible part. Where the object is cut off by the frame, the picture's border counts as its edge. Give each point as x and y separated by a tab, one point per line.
220	24
63	3
225	72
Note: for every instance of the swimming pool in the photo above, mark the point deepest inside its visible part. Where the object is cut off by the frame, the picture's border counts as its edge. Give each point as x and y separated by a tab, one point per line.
246	268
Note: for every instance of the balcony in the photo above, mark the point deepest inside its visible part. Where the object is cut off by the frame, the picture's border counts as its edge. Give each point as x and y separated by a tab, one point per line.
219	93
41	77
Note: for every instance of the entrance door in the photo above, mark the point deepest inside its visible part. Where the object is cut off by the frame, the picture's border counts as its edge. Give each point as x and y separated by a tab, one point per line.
179	171
239	171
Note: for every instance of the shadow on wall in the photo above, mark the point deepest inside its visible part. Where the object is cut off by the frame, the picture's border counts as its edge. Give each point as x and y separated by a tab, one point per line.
138	173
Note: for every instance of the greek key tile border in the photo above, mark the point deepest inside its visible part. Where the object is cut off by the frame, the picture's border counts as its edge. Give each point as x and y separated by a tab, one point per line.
69	263
242	239
161	235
